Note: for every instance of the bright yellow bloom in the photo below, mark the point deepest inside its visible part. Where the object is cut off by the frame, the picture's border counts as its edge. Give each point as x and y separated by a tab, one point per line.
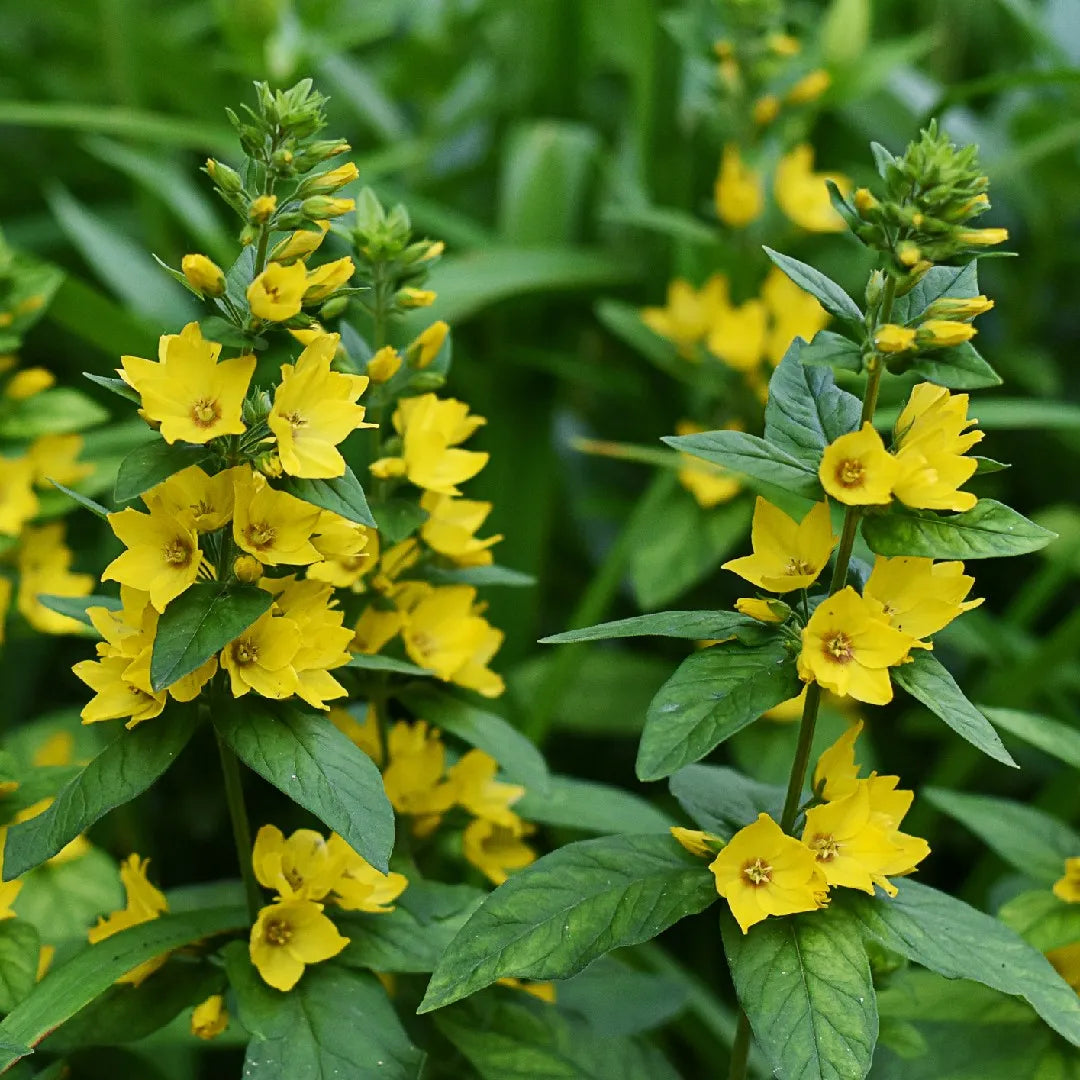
703	844
162	556
144	903
890	338
476	788
836	771
209	1018
314	410
737	194
362	733
272	525
809	88
115	697
302	867
710	484
794	313
766	611
384	365
348	550
262	208
497	850
787	554
802	195
847	647
737	335
920	597
689	313
28	382
289	935
203	275
451	528
260	659
857	470
393	563
413	779
375	628
982	237
425	347
359	886
188	393
762	872
18	503
941	333
955	307
1068	887
328	278
277	294
300	243
205	501
44	563
53	457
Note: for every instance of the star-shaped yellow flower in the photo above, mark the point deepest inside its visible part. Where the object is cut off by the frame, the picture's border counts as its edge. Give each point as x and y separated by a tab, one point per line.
272	525
289	935
162	556
787	554
918	596
857	470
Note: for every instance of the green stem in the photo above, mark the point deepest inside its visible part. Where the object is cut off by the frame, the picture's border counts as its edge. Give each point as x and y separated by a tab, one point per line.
234	795
740	1049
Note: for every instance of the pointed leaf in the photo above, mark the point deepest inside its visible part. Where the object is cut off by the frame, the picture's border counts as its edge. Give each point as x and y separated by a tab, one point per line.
959	368
369	662
19	948
832	298
833	350
483	576
938	283
86	503
591	807
722	800
1051	736
343	495
694	625
75	607
147	466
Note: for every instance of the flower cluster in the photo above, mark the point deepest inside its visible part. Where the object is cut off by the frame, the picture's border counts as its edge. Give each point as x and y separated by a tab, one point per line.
306	872
850	839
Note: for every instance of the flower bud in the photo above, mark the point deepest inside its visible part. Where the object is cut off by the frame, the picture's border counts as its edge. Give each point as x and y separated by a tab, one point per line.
810	87
908	254
784	45
865	203
328	182
247	569
325	206
325	279
262	209
982	237
426	345
203	275
951	307
301	243
269	464
384	365
942	333
414	298
225	178
425	381
891	338
333	307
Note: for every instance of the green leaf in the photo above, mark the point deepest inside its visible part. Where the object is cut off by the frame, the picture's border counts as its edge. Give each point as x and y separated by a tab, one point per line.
86	503
343	495
124	769
832	350
334	1023
412	937
64	898
989	530
953	939
939	282
1027	839
398	519
928	681
75	607
19	948
52	412
481	576
591	807
806	410
985	465
1051	736
694	625
832	298
751	456
315	765
804	982
147	466
68	988
518	757
1042	919
722	800
115	386
367	662
712	695
553	918
198	623
959	368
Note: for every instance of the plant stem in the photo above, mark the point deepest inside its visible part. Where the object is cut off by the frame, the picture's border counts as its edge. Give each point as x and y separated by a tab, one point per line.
234	795
740	1049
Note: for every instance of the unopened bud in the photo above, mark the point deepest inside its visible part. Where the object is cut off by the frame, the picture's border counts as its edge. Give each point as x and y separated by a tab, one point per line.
766	109
269	464
982	237
943	333
247	569
328	182
333	307
325	206
414	298
425	347
225	178
908	254
951	307
262	208
203	275
809	87
384	365
891	338
864	201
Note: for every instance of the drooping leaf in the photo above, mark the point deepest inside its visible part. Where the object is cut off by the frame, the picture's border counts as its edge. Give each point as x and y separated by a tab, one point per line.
928	680
804	981
694	625
313	763
85	502
713	694
959	368
19	948
115	386
553	918
831	297
722	800
989	530
1051	736
124	769
199	623
959	942
832	350
75	607
343	495
149	465
591	807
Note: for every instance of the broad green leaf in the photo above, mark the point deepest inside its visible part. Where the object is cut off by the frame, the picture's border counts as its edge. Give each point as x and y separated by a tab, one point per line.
398	519
591	807
1042	919
751	456
95	508
147	466
939	282
712	694
19	948
958	368
315	765
487	731
52	412
1051	736
335	1023
553	918
832	298
519	1040
75	607
343	496
200	622
124	769
722	800
413	936
481	576
368	662
928	681
1027	839
959	942
804	982
69	987
62	899
917	994
694	625
989	530
806	410
36	782
832	350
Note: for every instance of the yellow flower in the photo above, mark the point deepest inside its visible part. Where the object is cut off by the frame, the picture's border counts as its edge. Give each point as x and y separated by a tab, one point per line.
413	779
496	850
333	179
737	335
451	525
262	208
1068	887
209	1018
57	749
890	338
689	313
375	628
763	872
920	597
836	772
18	503
982	237
787	554
115	697
144	903
384	365
28	382
289	935
260	659
328	278
941	333
188	393
809	88
302	867
162	556
203	275
425	347
348	550
44	563
205	501
272	525
364	733
314	410
1065	960
409	298
847	647
277	294
738	196
359	886
955	307
857	470
697	842
476	788
802	195
794	313
53	457
300	244
708	483
766	611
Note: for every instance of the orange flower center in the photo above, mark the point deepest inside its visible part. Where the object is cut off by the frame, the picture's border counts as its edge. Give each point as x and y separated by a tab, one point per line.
850	472
839	648
293	877
245	652
295	419
757	873
176	552
278	932
201	508
205	412
824	846
798	567
260	534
